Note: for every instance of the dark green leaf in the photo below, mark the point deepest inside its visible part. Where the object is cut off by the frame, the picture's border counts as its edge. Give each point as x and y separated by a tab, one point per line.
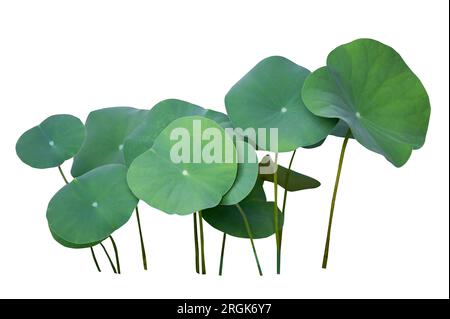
229	220
295	182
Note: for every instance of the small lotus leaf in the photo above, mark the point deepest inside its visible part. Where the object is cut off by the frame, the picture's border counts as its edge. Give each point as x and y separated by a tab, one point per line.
92	206
295	182
269	97
184	187
106	131
52	142
367	85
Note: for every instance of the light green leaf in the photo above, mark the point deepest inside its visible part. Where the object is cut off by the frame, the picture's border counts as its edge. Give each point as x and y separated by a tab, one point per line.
183	187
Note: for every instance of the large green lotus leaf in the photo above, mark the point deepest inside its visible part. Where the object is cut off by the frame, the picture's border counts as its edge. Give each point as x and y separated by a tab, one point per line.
295	182
229	220
369	86
52	142
92	206
106	130
269	97
71	245
183	186
157	119
246	175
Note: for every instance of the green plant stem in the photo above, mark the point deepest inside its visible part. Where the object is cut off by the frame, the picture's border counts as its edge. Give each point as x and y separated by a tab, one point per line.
62	174
144	256
250	235
202	243
197	261
95	259
116	252
222	254
92	250
288	174
109	258
333	200
275	213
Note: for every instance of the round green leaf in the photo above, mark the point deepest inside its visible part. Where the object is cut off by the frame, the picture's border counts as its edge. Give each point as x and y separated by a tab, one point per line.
369	86
157	119
246	175
106	131
295	182
52	142
186	186
92	206
269	97
229	220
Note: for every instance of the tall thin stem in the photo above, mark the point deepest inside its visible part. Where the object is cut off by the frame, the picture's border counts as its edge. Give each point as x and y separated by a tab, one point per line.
288	175
250	235
109	258
202	243
333	200
275	213
222	254
197	258
116	252
92	250
144	256
95	259
62	174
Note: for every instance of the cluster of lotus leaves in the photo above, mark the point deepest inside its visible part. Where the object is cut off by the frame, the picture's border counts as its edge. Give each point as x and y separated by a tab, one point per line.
121	143
122	154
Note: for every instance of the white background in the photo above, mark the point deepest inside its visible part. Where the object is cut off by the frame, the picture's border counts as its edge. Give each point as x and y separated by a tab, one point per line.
391	227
